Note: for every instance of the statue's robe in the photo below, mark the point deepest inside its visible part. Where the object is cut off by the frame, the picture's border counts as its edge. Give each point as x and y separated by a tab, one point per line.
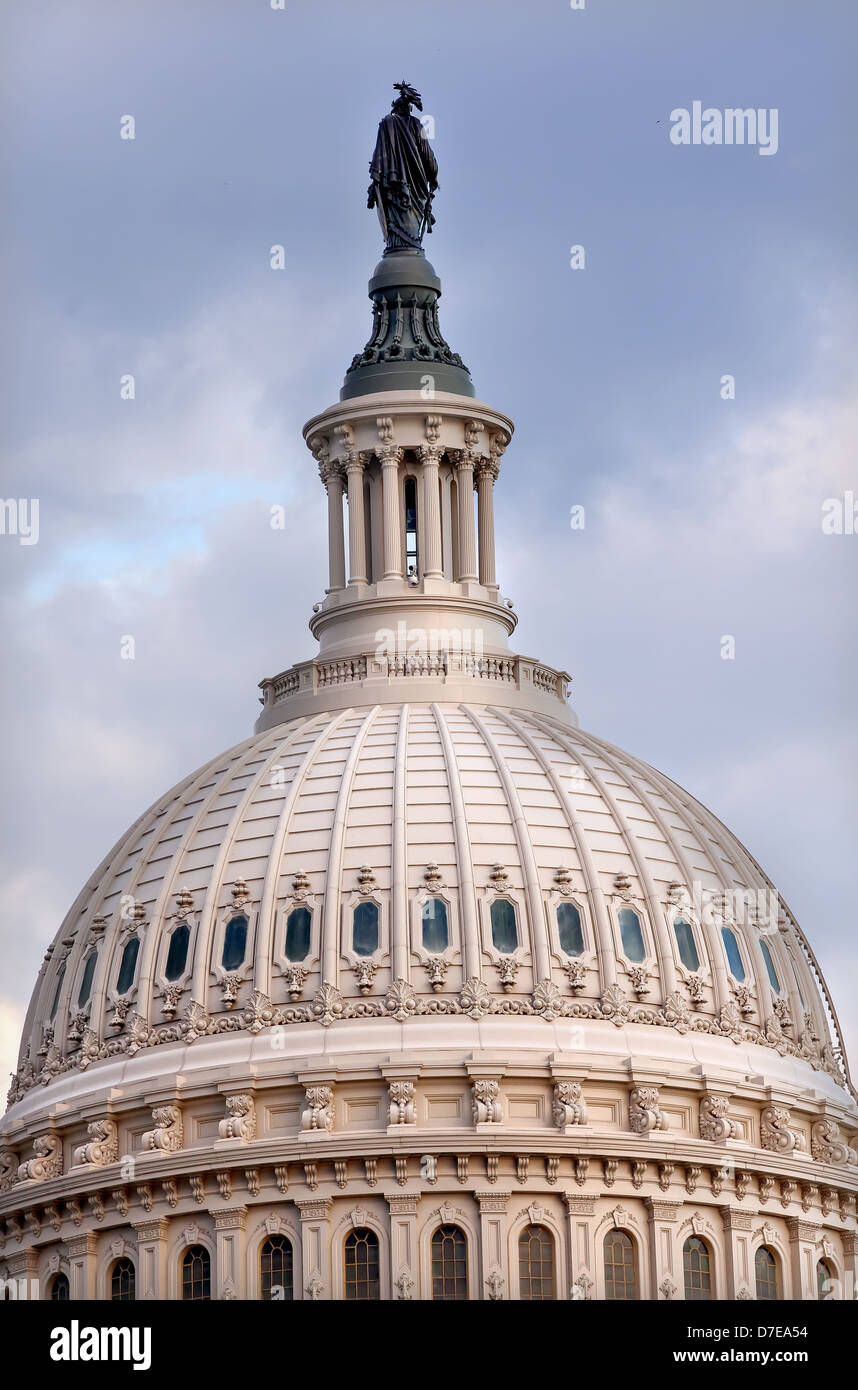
404	176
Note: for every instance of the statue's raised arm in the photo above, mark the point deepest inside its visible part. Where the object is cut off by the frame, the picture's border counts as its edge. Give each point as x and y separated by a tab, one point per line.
404	174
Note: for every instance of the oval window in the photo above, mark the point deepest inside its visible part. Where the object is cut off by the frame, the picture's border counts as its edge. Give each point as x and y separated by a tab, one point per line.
734	955
686	943
632	936
234	943
504	930
770	966
365	929
178	952
436	936
86	982
569	929
298	933
128	965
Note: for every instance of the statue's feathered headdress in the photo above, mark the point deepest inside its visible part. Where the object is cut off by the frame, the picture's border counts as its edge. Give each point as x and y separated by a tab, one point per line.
409	94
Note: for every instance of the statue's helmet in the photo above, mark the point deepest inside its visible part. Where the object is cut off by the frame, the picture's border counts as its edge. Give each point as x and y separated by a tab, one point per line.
409	94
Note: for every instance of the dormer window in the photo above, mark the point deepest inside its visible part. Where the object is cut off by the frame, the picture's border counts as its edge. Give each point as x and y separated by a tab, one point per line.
504	929
298	934
631	935
770	966
569	929
234	943
734	955
178	953
365	929
86	982
128	965
686	944
436	934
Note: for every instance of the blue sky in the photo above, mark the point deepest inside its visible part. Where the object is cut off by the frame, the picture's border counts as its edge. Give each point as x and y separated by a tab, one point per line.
255	127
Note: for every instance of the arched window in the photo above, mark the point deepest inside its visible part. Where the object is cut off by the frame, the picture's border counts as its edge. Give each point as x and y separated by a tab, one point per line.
504	929
298	933
412	561
365	929
128	965
734	955
632	936
536	1263
621	1279
449	1264
361	1265
275	1270
569	929
60	1288
234	943
86	982
697	1269
55	1004
824	1280
436	936
686	944
196	1275
770	966
123	1280
766	1273
177	955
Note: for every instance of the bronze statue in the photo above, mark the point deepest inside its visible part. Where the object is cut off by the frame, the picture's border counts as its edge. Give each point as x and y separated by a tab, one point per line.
404	175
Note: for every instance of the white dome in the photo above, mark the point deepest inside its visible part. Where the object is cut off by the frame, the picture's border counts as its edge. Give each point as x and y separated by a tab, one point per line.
393	805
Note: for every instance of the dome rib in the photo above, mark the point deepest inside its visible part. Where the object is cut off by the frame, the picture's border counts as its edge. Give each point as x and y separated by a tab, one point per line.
464	858
334	876
400	956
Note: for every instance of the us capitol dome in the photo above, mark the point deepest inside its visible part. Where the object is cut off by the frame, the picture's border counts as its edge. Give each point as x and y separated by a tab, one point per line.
421	992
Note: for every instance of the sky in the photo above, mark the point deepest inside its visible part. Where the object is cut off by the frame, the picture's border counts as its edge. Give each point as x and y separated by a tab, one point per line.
253	127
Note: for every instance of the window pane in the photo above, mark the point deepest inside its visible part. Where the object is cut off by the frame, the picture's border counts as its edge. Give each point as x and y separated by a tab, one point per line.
686	943
275	1260
60	1289
620	1273
569	929
504	932
178	952
298	933
697	1269
365	929
449	1264
632	936
196	1275
122	1282
361	1266
435	934
128	965
766	1270
770	966
823	1280
234	943
86	982
55	1004
734	955
535	1263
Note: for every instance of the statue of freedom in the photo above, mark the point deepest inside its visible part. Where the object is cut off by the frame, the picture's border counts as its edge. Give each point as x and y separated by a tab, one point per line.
404	175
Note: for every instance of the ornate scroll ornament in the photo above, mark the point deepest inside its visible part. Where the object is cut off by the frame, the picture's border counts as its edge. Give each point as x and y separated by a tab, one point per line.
48	1161
230	985
436	968
364	973
295	977
240	1119
314	1288
486	1107
404	1283
638	979
401	1000
644	1114
507	968
259	1013
665	1173
172	995
568	1107
827	1146
168	1133
402	1110
696	990
318	1113
782	1012
327	1005
433	428
576	973
8	1169
384	425
776	1132
715	1124
103	1146
475	999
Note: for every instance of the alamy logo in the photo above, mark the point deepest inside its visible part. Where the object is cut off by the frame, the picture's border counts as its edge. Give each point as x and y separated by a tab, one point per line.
733	126
76	1343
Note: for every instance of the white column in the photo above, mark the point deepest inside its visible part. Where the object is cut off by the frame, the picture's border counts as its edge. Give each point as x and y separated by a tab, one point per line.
429	455
737	1249
81	1251
357	521
494	1273
467	542
404	1272
315	1256
151	1258
333	481
229	1273
580	1253
486	474
390	458
662	1238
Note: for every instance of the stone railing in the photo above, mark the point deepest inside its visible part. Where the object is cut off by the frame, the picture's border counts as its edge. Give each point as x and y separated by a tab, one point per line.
519	672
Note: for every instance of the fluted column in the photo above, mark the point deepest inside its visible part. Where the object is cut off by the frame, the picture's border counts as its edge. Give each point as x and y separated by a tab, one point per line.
357	523
151	1258
486	474
336	544
403	1245
467	541
230	1226
390	458
430	457
315	1249
494	1271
